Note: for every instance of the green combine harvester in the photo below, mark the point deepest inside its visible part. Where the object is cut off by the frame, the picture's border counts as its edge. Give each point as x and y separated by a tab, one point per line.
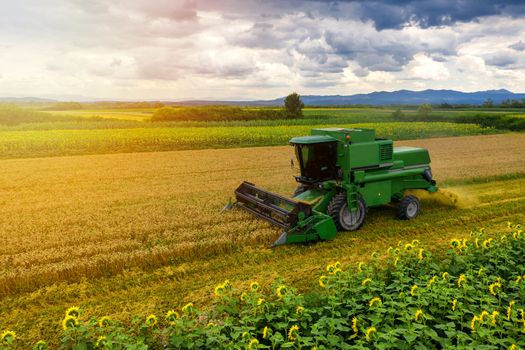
343	173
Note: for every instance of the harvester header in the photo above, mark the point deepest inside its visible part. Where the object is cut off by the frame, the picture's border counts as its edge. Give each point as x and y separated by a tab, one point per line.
343	172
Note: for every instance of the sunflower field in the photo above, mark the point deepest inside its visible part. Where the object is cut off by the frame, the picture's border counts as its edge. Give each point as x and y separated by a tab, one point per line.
406	298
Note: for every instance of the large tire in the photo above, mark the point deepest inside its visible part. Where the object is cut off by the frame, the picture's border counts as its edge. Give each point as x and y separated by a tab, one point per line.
408	208
345	220
300	189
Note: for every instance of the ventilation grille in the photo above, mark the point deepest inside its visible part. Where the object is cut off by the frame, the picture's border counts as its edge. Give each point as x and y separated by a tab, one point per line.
385	152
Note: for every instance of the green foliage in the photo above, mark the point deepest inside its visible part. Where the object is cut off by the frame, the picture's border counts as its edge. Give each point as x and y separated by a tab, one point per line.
215	113
406	299
424	110
500	121
294	105
13	115
67	142
397	114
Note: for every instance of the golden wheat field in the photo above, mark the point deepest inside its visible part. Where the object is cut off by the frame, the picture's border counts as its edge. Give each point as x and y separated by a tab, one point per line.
123	233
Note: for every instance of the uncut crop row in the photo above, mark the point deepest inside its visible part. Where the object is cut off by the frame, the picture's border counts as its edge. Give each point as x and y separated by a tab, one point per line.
18	144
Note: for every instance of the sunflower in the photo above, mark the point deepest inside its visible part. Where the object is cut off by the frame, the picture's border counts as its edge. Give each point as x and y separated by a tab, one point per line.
281	291
473	323
494	315
41	345
354	325
493	287
254	286
7	337
299	310
454	304
219	290
462	278
293	332
509	309
69	322
360	266
101	342
253	344
419	313
73	311
413	290
374	301
260	301
431	281
151	320
265	332
366	281
369	332
322	281
104	321
420	254
171	316
187	308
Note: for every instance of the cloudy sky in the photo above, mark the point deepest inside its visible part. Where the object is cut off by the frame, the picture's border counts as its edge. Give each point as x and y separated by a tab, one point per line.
253	49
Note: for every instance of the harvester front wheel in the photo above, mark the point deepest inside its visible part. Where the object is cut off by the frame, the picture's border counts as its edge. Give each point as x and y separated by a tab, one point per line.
343	218
408	208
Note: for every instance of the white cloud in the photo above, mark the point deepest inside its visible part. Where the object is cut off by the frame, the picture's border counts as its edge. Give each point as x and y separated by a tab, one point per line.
206	49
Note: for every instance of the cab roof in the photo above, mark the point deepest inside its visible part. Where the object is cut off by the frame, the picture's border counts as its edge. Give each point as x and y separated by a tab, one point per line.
307	140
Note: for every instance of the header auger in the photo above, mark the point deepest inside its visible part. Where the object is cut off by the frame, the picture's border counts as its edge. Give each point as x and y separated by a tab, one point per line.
343	173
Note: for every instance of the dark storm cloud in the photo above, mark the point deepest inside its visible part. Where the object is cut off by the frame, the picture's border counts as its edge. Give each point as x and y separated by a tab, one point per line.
425	13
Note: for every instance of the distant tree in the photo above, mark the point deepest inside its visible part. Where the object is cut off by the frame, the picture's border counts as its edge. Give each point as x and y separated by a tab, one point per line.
488	103
424	110
398	114
294	105
445	105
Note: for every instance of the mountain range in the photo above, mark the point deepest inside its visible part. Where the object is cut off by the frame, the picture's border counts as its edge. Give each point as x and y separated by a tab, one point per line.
378	98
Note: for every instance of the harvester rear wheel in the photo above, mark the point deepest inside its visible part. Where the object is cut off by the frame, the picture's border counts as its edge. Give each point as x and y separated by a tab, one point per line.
344	219
408	208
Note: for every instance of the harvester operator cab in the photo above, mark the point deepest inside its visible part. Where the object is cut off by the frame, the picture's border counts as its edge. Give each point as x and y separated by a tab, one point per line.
317	157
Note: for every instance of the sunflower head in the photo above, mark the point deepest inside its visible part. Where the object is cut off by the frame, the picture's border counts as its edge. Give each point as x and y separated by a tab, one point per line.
419	314
322	281
73	311
104	321
171	316
293	332
188	308
41	345
101	342
366	281
413	290
254	286
7	337
354	325
494	288
454	304
281	291
330	269
219	290
299	310
151	320
260	301
374	301
69	322
265	332
462	278
253	344
369	333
